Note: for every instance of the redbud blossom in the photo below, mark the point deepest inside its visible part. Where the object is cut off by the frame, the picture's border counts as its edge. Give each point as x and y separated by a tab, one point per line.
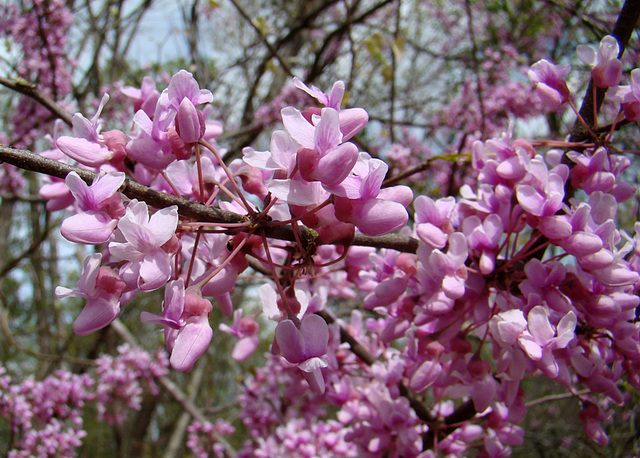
606	67
102	288
185	316
629	96
100	207
550	84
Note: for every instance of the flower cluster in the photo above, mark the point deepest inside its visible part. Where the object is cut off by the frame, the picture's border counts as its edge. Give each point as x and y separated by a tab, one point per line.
40	34
45	417
123	380
518	277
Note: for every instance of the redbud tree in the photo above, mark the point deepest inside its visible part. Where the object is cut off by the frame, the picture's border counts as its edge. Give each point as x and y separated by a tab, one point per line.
394	228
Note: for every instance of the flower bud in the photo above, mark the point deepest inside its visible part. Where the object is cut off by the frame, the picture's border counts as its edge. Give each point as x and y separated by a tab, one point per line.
190	123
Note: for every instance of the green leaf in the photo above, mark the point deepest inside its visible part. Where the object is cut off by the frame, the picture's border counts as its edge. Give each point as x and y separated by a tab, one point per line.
387	72
398	46
374	44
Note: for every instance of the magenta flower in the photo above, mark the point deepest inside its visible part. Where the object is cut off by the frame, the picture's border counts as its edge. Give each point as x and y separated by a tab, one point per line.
544	280
543	197
102	288
245	329
184	86
549	82
153	146
185	316
352	120
433	220
599	171
190	123
629	96
176	124
360	201
140	241
304	346
323	156
447	271
592	416
333	100
88	146
606	68
100	206
145	98
484	236
540	339
281	159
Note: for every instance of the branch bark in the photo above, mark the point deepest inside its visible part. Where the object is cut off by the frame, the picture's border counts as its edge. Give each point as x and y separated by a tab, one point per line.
28	160
31	90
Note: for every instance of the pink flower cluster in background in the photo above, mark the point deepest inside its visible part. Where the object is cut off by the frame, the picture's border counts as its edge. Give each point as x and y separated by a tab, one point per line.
46	417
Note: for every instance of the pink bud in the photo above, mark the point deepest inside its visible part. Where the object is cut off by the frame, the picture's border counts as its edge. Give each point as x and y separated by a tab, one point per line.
190	123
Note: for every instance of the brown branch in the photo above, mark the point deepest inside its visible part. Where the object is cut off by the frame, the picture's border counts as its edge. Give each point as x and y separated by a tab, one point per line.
4	324
455	158
318	65
35	244
31	90
194	210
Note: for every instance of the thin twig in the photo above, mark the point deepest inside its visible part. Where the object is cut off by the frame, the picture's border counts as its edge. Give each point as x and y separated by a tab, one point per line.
274	52
4	324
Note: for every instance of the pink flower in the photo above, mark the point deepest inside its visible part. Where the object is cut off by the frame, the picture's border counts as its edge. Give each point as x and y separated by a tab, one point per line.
606	67
543	197
100	206
629	96
88	146
360	201
145	98
549	81
592	417
541	339
102	288
190	123
140	240
448	270
352	120
245	329
281	159
484	236
323	156
433	220
185	316
183	86
599	171
305	345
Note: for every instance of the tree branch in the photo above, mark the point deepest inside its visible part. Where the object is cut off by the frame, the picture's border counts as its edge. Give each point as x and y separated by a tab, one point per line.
31	90
274	52
27	160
